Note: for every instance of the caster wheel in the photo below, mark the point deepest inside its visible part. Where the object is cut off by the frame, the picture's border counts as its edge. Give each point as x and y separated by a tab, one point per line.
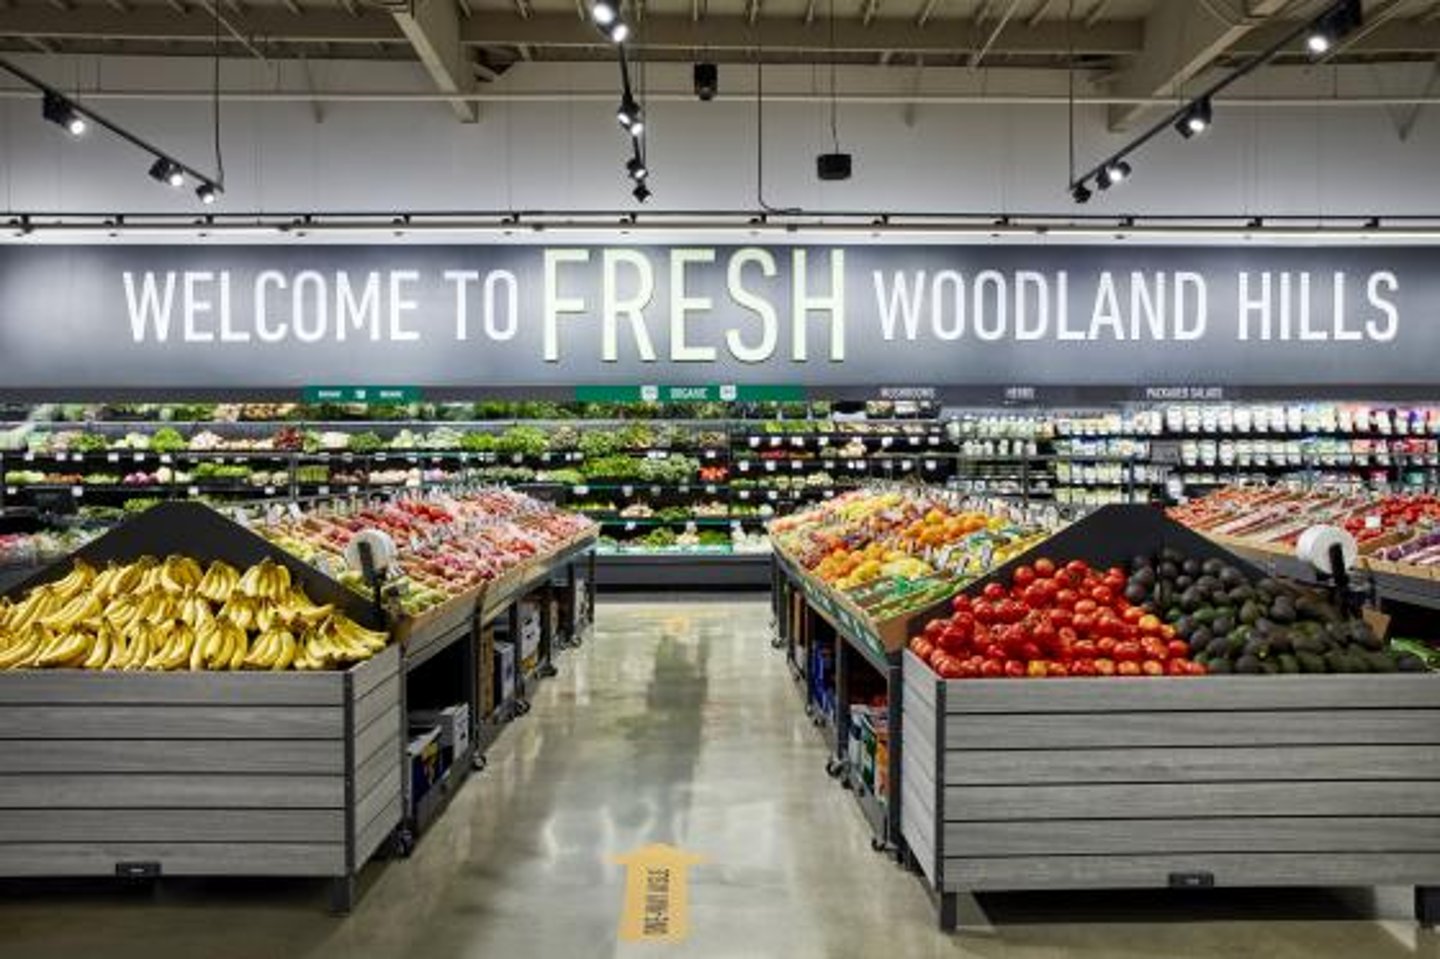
833	768
478	764
404	843
777	643
522	708
878	845
809	711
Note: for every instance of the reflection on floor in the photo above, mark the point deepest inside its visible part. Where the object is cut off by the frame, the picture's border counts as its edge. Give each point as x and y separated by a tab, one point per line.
675	723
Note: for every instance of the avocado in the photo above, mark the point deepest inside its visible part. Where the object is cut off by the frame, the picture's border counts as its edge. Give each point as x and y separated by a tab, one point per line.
1232	577
1184	582
1167	570
1257	646
1207	584
1218	647
1269	667
1336	661
1190	600
1190	567
1288	663
1381	662
1281	641
1213	567
1140	563
1410	663
1164	595
1282	610
1224	621
1173	614
1170	554
1362	635
1249	613
1240	595
1248	665
1184	626
1135	594
1204	616
1219	666
1310	663
1310	644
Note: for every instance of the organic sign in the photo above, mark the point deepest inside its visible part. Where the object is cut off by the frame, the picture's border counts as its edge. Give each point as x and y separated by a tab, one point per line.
504	316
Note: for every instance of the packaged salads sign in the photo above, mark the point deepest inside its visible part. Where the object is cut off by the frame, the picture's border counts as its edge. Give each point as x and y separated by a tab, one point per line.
507	316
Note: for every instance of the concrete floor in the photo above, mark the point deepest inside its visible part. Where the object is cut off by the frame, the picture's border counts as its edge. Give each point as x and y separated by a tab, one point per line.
675	723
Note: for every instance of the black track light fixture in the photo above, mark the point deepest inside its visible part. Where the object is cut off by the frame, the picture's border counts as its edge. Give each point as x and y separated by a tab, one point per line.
617	32
167	171
1333	25
636	168
628	115
1081	193
1196	120
604	12
1114	173
707	81
207	192
641	193
62	112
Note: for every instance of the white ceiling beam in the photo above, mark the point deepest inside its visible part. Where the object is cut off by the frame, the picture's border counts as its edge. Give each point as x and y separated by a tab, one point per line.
752	11
978	57
1181	40
1096	12
926	12
871	8
1042	8
433	29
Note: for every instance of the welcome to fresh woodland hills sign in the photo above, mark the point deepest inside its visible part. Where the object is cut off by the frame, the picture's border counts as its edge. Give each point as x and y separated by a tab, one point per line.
508	316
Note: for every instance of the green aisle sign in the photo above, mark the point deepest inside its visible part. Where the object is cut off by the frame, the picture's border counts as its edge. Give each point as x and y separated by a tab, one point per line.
690	394
362	394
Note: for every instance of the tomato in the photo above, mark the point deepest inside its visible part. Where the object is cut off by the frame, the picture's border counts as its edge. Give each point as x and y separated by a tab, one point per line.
1127	651
1084	649
1061	618
994	651
1044	634
1084	623
1152	667
1014	669
964	622
1130	631
933	628
1086	607
922	648
961	603
1127	669
1083	667
1023	576
1104	667
1029	652
1105	646
1154	648
1132	614
1167	631
1044	567
1066	598
1197	669
950	668
1102	595
1149	624
1077	567
992	669
1059	670
1177	667
968	670
1035	597
953	640
936	655
1177	649
993	591
1037	669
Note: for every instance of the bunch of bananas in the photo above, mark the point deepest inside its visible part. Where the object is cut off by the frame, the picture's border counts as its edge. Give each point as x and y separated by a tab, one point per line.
172	614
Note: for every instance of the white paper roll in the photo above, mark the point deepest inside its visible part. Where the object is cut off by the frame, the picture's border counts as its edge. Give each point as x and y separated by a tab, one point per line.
382	549
1314	547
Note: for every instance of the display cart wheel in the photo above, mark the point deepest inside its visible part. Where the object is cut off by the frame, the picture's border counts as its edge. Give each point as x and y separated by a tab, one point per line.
818	718
879	845
478	763
404	842
522	706
548	671
834	767
809	710
777	643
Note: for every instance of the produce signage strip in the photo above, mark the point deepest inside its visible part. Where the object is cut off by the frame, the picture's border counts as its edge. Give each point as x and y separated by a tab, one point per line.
1403	529
177	615
1171	615
447	545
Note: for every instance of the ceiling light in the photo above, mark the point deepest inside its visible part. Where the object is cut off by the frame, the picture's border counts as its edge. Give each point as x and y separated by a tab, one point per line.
628	114
636	168
617	32
1081	193
1331	26
59	110
207	193
641	192
167	172
1114	173
1196	120
603	12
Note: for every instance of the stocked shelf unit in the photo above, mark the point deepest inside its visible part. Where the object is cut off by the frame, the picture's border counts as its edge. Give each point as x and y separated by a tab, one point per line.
1099	783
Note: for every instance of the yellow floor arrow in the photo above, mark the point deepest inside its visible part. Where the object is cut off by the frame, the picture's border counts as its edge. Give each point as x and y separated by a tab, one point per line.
657	907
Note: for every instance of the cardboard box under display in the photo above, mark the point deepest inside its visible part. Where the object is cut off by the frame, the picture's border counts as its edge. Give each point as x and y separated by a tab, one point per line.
1295	780
201	773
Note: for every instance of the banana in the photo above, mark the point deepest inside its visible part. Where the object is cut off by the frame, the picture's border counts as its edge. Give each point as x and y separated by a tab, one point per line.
141	649
289	647
100	650
178	652
119	651
66	649
25	651
240	648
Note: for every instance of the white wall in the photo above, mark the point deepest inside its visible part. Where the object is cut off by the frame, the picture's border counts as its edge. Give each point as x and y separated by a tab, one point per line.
560	155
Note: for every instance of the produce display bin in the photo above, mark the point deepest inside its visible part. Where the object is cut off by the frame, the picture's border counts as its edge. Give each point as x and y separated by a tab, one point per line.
201	773
1296	780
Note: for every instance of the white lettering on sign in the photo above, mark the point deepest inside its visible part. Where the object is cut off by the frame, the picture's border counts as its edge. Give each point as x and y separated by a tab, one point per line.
681	304
761	307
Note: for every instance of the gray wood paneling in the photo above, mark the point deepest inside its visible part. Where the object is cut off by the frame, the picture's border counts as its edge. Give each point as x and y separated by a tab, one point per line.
383	700
85	688
1010	767
1186	801
1126	729
1237	834
172	825
368	805
372	834
374	671
175	859
170	722
917	826
918	740
125	791
190	756
919	715
1205	694
918	778
376	735
381	761
920	682
1141	872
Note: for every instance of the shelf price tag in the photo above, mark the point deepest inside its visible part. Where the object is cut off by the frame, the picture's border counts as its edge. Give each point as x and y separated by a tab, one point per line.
914	441
744	494
11	490
352	488
580	490
324	491
709	454
629	527
744	466
710	489
822	441
1373	521
77	491
774	494
112	457
29	457
795	466
295	510
269	491
655	491
931	465
769	466
627	491
886	442
139	457
683	487
934	441
828	464
907	464
774	441
192	491
754	441
797	441
166	459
